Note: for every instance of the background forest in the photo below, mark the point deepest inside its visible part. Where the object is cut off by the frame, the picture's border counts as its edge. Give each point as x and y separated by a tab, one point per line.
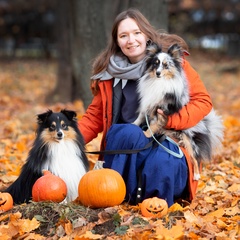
74	32
37	48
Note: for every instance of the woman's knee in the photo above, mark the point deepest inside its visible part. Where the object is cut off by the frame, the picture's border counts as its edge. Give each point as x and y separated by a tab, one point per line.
126	132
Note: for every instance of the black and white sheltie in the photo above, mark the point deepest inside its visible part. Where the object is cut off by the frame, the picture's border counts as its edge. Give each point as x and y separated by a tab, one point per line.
59	148
165	86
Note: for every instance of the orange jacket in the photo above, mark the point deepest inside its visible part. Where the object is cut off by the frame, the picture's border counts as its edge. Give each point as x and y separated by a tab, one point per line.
98	116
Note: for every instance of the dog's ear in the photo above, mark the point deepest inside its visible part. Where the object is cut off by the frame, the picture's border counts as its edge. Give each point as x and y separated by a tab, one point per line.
153	48
69	114
176	52
41	118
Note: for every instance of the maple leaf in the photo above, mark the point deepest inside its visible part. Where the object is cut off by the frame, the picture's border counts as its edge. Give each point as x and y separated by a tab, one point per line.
68	227
176	232
175	207
89	235
18	226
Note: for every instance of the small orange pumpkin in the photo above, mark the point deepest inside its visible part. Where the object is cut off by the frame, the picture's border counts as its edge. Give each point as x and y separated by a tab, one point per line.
154	207
6	201
101	188
49	187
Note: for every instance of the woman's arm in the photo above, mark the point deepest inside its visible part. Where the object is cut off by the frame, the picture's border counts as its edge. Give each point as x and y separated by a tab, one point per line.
199	106
92	121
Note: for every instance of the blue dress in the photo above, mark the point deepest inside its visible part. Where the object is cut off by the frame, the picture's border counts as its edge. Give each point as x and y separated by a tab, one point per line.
163	175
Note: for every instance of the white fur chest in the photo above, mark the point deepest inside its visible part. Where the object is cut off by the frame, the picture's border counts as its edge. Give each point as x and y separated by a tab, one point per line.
64	160
153	90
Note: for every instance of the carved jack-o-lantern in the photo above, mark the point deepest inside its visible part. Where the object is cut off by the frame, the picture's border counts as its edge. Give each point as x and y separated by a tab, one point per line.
6	201
154	207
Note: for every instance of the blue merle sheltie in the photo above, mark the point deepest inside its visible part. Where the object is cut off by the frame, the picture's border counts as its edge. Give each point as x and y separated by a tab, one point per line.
164	86
59	148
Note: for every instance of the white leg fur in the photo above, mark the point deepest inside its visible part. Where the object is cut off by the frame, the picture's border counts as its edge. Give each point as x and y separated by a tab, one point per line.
188	146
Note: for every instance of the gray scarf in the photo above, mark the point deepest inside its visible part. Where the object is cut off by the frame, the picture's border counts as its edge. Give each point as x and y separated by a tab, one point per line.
121	69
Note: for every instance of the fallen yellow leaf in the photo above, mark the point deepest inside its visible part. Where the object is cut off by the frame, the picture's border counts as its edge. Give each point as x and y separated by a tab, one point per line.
234	188
175	207
217	214
190	217
176	232
68	227
89	235
209	200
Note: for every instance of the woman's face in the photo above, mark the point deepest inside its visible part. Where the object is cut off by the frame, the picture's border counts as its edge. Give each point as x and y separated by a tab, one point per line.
131	40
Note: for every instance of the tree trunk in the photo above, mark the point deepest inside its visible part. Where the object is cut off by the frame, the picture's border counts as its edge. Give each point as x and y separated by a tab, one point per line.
156	11
87	39
63	90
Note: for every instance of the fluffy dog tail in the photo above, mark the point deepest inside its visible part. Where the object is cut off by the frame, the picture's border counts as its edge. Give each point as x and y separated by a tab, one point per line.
215	127
207	137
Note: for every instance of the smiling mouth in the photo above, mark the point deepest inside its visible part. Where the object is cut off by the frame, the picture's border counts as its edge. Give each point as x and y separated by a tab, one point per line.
154	211
132	47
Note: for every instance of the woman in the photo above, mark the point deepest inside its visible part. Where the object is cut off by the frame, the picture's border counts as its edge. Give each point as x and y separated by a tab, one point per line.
114	107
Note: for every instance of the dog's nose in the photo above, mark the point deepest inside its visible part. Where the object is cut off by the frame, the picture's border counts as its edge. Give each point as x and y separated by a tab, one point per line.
158	73
59	134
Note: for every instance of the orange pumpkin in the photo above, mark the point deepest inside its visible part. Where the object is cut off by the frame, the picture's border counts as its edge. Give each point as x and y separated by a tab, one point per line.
49	187
101	188
154	207
6	201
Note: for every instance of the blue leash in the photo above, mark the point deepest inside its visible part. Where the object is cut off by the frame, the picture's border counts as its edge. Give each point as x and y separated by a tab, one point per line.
178	155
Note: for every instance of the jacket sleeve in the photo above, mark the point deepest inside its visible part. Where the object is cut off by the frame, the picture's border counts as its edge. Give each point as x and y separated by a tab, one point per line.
92	121
199	106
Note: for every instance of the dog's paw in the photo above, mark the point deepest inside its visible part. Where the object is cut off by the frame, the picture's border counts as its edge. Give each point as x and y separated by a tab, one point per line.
181	143
196	176
139	119
98	165
64	201
153	128
136	123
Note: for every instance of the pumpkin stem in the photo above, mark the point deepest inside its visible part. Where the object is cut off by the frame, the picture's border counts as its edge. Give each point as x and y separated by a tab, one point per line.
46	172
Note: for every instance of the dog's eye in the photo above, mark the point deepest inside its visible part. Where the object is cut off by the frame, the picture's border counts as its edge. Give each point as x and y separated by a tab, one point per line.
165	65
156	63
64	126
52	127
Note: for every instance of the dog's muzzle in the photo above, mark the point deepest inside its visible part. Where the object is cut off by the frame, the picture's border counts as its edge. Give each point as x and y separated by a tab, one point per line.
60	135
158	74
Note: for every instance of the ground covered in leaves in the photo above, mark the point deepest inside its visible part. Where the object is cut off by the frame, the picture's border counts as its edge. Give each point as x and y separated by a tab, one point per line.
213	214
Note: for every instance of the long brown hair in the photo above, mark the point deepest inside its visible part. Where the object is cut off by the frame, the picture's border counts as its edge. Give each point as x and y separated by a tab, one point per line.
165	40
